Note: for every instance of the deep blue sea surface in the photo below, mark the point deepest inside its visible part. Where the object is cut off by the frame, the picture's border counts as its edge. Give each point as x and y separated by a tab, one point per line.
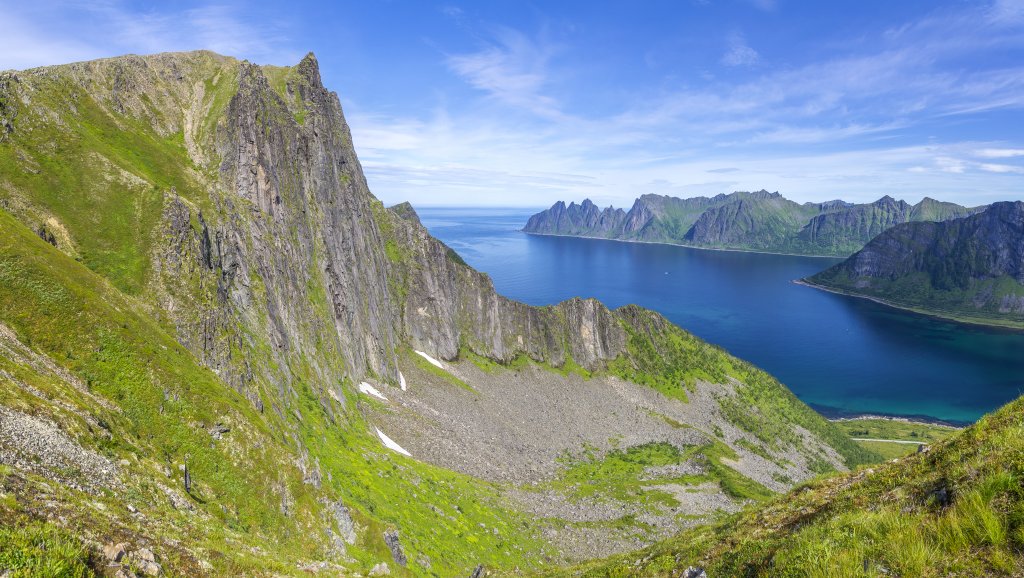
839	354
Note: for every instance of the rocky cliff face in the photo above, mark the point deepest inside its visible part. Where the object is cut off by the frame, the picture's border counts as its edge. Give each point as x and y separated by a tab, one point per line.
972	266
449	306
758	221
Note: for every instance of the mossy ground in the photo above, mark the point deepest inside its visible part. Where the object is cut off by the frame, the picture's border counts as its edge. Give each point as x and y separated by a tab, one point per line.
34	549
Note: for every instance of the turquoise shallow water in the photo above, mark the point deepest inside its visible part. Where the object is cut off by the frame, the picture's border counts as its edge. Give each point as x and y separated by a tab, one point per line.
840	354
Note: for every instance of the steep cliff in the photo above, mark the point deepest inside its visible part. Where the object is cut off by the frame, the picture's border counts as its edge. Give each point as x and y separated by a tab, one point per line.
205	310
971	268
758	221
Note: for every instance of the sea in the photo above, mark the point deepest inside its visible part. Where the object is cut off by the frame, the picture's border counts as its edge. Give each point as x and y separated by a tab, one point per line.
842	355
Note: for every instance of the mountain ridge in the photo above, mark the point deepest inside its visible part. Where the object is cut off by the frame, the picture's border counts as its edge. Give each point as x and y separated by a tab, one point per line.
758	221
967	269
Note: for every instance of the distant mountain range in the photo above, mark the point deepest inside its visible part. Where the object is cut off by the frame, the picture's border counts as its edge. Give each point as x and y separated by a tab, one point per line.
970	268
759	221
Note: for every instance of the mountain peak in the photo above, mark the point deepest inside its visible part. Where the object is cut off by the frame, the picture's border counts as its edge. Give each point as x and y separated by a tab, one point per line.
405	210
309	68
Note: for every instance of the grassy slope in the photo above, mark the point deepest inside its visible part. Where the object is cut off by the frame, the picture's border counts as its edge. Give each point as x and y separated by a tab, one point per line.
669	359
771	224
955	510
100	177
63	310
71	170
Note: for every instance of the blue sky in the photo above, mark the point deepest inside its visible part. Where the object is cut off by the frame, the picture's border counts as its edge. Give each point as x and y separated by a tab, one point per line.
513	103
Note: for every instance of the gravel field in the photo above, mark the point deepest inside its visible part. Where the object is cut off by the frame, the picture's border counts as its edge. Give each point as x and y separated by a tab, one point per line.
512	426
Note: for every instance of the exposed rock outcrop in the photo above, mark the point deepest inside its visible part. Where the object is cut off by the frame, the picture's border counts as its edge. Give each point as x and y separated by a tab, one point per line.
394	544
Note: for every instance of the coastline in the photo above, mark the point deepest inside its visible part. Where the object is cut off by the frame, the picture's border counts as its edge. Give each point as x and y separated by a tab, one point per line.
991	324
699	248
909	420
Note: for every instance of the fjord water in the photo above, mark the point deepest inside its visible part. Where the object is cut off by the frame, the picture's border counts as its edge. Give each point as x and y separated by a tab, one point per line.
840	354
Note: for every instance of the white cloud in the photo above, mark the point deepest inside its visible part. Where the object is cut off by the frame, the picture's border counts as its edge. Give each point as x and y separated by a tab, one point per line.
950	165
739	53
476	160
1007	11
512	69
1000	168
87	30
995	153
452	11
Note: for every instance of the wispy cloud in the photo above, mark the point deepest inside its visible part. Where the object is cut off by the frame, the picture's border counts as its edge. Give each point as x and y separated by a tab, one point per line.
1008	11
837	126
85	30
1001	168
511	68
1000	153
739	53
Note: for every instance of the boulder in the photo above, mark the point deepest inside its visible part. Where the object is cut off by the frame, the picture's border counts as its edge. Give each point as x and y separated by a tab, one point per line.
114	552
391	539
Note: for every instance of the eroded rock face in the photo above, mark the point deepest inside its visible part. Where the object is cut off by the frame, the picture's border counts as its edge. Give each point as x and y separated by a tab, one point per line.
286	263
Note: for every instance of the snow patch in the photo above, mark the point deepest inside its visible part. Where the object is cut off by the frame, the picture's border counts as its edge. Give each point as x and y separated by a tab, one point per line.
401	381
370	390
430	359
390	443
